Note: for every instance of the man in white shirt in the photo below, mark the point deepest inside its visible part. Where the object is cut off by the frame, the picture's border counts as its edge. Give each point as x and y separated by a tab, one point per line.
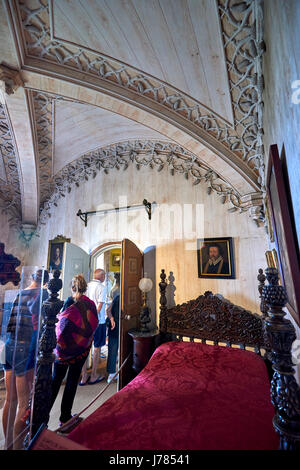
97	292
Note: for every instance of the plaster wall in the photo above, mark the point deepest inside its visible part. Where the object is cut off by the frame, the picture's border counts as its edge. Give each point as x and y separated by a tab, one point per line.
183	213
282	89
281	69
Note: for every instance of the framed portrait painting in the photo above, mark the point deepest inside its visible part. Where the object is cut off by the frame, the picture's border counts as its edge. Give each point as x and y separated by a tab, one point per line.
284	234
56	253
215	258
115	260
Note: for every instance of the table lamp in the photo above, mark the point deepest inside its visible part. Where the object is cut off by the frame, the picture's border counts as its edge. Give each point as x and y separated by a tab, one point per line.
145	285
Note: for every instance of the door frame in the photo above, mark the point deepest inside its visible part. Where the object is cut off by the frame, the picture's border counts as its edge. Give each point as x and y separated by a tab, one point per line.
98	251
101	249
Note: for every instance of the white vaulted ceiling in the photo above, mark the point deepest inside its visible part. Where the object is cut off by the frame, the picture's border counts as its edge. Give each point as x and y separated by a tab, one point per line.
80	128
92	74
177	41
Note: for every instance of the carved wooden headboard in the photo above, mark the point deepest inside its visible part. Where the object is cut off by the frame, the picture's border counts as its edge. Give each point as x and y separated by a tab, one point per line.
211	318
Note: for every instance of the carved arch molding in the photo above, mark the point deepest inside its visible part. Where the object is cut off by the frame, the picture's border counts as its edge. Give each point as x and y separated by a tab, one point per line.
241	26
155	155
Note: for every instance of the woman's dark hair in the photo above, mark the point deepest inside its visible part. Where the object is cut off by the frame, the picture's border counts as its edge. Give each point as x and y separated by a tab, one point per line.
41	276
117	277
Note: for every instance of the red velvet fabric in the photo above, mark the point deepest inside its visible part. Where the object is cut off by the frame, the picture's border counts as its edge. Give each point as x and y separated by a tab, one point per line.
189	396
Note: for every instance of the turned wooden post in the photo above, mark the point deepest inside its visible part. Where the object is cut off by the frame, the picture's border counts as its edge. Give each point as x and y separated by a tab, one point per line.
264	310
163	302
43	379
285	392
262	279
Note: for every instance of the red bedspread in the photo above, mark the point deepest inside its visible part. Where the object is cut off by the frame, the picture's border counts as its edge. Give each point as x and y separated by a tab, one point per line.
189	396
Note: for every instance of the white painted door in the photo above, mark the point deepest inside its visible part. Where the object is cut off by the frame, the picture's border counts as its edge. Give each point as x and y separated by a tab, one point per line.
76	261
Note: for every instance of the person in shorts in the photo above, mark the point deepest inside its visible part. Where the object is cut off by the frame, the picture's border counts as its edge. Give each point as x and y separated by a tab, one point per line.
97	292
20	357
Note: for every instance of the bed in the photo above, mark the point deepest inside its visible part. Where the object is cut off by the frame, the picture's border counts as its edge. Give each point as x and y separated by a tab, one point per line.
190	396
211	392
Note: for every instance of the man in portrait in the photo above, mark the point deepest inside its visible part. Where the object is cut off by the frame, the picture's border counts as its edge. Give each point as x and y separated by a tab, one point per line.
215	264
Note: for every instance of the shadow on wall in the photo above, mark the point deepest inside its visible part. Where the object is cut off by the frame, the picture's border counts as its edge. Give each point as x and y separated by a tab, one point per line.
170	290
181	267
150	272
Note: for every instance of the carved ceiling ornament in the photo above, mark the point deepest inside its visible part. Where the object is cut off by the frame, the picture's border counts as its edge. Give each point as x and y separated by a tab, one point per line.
152	153
156	155
241	24
10	191
242	30
43	107
10	79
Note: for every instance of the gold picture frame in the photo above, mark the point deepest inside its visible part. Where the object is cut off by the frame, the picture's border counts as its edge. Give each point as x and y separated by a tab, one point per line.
269	219
223	265
272	261
56	253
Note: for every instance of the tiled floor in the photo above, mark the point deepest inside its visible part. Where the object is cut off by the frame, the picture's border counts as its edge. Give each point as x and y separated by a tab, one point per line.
84	396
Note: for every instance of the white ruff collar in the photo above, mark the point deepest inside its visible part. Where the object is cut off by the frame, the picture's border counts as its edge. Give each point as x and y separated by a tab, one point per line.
216	261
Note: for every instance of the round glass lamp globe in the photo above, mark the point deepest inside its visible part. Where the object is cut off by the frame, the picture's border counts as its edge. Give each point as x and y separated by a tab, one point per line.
145	284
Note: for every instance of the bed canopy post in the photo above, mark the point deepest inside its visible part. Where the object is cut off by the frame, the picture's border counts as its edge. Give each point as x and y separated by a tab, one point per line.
45	359
263	307
264	310
164	335
163	302
285	392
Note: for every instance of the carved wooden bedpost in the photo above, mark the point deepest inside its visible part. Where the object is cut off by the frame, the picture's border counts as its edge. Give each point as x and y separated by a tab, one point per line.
285	392
163	301
47	342
264	310
263	307
163	308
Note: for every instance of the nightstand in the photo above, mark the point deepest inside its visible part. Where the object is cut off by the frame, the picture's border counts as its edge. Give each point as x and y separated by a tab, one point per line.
143	347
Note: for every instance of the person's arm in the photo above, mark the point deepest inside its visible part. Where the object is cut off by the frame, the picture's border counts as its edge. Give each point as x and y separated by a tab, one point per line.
108	311
12	322
111	318
114	310
112	322
101	299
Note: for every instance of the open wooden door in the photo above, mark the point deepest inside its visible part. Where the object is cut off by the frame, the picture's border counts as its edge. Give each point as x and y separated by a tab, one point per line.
131	273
